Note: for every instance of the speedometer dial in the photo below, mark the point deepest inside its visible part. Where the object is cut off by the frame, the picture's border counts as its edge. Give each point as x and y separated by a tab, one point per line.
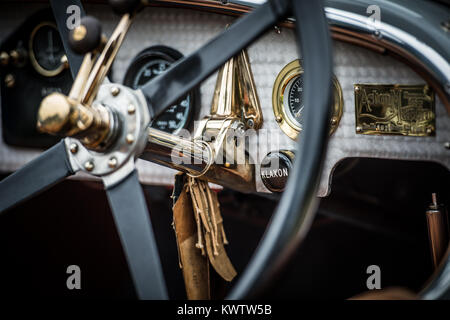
288	102
295	99
149	64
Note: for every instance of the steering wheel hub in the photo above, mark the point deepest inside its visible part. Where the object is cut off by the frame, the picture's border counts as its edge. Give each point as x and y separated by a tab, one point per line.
128	127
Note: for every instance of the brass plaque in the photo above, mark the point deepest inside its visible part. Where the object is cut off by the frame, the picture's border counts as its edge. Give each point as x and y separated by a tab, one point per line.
395	109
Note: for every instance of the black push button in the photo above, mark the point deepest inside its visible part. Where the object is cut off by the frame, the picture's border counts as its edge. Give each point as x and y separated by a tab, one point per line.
275	169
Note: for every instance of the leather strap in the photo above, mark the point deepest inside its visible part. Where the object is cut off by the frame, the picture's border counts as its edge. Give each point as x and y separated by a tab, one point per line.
210	231
218	256
194	265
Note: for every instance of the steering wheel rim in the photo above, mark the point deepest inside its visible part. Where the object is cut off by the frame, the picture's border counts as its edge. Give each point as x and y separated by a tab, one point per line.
295	212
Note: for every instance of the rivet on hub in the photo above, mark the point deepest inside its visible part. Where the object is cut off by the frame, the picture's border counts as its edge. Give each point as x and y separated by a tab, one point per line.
73	148
112	162
115	91
131	109
130	138
89	165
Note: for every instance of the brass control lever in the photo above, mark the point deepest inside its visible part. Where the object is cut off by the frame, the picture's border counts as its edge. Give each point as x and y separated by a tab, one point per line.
437	222
61	115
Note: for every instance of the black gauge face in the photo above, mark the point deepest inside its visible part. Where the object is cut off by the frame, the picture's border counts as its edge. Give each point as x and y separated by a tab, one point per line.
150	70
149	64
46	49
295	99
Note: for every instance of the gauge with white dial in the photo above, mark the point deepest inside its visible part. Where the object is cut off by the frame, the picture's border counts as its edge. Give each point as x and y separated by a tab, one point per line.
288	102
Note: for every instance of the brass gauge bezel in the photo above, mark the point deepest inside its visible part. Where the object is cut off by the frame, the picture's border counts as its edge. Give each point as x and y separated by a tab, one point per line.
289	126
34	62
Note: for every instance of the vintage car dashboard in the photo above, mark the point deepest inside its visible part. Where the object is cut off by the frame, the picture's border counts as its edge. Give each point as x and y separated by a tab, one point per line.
382	108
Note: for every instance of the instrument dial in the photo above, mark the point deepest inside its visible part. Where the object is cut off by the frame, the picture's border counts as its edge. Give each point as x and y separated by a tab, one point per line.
46	50
288	103
149	64
295	99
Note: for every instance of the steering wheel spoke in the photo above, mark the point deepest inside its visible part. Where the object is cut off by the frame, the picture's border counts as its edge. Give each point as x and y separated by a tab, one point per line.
190	71
66	12
129	209
49	168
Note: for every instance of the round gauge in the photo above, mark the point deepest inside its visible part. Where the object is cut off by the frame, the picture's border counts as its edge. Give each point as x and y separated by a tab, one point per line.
46	50
149	64
287	99
294	101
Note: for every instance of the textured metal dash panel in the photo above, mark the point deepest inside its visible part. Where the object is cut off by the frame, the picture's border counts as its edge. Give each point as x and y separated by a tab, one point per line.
187	30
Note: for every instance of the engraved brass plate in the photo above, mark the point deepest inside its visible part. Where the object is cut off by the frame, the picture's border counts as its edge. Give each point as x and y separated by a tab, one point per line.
407	110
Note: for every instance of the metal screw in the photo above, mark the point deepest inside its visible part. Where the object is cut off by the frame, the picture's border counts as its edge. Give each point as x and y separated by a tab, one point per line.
131	109
112	162
250	123
447	145
334	121
89	165
277	29
430	130
278	119
129	138
4	58
358	129
115	91
15	56
10	80
357	88
73	148
18	57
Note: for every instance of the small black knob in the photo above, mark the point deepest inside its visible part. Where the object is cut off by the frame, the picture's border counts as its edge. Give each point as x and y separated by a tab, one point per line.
87	36
124	6
275	169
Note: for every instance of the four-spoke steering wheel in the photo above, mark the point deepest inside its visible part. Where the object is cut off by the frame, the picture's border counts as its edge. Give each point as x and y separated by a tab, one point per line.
296	209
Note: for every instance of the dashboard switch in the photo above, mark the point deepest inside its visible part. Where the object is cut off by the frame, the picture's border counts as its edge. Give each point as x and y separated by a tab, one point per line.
275	169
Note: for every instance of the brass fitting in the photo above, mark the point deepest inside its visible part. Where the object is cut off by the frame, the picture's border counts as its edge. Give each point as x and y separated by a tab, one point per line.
61	115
